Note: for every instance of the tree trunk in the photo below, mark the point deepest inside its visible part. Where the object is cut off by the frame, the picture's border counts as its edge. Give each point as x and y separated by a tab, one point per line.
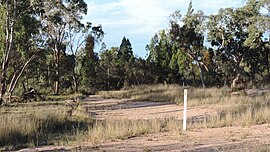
57	65
202	76
17	76
235	82
108	79
194	77
75	82
49	75
3	86
268	64
56	89
10	21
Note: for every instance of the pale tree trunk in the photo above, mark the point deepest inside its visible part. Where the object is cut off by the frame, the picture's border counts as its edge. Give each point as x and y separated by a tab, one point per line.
56	84
57	65
10	21
235	82
75	81
17	75
74	77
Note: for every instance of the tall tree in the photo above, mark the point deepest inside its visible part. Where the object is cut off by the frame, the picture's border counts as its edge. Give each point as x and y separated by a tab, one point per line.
109	68
78	37
161	51
89	64
19	28
57	17
189	37
125	50
125	57
237	34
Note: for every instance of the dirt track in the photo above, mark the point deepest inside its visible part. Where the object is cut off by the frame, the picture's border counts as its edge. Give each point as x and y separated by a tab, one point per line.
124	109
255	138
215	139
219	139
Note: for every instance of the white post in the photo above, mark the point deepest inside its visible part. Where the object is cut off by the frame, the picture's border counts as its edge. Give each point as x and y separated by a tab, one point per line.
185	111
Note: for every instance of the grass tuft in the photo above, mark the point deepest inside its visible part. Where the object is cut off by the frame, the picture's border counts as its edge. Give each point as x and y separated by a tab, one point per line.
123	129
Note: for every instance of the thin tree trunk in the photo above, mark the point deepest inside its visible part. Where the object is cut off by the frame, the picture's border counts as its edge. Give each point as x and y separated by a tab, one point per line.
16	77
3	84
194	77
75	82
57	65
268	64
202	76
10	21
49	75
108	79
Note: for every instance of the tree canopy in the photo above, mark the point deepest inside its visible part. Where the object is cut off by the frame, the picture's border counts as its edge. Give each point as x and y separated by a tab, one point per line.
46	45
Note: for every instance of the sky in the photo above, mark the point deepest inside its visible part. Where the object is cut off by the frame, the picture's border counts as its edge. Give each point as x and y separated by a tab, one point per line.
139	20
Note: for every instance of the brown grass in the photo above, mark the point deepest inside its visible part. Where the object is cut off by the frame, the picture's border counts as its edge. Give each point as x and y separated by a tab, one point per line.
123	129
62	122
232	110
251	111
34	124
52	123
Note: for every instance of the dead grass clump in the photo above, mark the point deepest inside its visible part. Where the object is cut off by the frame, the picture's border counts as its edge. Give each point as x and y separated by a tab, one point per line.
123	129
243	112
167	93
158	93
16	130
28	126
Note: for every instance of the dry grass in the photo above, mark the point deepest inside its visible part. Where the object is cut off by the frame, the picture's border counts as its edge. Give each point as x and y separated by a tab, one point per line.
251	111
232	110
34	124
122	129
164	93
53	123
157	93
62	122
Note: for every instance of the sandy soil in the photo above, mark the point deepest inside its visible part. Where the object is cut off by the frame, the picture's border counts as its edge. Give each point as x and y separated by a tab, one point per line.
254	138
124	109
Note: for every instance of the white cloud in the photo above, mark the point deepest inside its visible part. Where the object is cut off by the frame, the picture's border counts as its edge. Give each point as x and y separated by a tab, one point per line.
142	15
140	19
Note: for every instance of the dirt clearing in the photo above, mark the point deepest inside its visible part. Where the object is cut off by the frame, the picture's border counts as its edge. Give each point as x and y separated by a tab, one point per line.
251	138
254	138
125	109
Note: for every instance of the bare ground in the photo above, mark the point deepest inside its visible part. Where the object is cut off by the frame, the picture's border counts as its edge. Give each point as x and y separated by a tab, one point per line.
253	138
125	109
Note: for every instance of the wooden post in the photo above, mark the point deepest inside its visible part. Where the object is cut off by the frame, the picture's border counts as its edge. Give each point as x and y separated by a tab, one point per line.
185	111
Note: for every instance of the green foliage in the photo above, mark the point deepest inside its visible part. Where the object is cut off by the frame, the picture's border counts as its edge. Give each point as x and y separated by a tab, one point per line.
236	44
109	69
88	65
125	52
238	34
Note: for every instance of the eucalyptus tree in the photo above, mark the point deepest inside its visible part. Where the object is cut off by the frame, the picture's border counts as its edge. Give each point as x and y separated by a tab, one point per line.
19	30
81	42
57	18
187	33
109	68
161	53
237	35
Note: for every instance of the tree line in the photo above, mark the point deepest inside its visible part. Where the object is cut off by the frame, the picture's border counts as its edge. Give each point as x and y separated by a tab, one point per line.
44	44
